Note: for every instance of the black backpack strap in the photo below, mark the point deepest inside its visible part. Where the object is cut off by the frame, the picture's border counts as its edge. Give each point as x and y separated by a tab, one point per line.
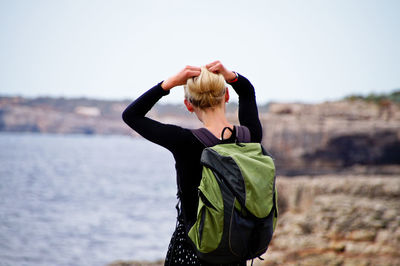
205	137
242	134
209	140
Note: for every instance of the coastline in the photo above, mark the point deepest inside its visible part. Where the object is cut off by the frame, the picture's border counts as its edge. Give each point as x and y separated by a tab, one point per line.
332	220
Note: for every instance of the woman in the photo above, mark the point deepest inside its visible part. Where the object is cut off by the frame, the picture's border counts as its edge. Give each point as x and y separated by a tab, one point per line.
206	95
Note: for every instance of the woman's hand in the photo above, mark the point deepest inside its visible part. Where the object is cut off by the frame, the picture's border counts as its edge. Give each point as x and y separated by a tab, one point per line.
181	77
218	67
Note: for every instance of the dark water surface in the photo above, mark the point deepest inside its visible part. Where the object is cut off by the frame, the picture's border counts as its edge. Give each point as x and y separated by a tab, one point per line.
84	200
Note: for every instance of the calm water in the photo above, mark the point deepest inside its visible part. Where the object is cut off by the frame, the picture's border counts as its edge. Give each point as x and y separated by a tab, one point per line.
84	200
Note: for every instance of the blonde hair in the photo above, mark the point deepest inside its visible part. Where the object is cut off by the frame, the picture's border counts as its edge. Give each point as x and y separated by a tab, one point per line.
206	90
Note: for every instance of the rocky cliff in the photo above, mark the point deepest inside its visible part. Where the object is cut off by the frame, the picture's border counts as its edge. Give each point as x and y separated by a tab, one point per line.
345	220
77	116
333	137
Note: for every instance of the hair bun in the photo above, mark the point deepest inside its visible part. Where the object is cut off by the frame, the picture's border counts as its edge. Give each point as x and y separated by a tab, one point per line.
206	90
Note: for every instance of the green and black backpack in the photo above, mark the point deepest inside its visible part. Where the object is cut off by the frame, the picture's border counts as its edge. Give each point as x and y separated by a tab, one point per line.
237	209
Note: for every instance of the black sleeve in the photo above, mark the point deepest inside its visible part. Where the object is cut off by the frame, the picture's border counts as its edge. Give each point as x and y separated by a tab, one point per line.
248	112
134	115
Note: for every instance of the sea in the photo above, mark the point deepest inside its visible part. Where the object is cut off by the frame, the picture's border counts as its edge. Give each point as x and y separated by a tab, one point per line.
84	199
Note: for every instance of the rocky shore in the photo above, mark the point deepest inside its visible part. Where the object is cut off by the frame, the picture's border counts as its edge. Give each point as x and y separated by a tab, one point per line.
337	220
333	220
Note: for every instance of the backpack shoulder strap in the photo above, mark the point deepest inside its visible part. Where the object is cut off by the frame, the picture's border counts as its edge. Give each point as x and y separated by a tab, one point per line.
205	137
242	134
209	140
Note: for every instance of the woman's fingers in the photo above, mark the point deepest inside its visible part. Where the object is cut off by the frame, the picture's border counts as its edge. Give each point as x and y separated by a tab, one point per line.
181	77
191	71
194	71
216	67
213	64
186	73
192	68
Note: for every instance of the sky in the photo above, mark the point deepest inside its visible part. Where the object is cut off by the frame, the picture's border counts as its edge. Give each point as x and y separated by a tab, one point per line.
303	51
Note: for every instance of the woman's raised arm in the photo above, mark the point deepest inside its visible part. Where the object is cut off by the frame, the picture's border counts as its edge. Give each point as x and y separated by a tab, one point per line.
135	114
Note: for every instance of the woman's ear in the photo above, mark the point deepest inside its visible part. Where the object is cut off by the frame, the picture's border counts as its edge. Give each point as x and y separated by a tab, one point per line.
189	106
227	95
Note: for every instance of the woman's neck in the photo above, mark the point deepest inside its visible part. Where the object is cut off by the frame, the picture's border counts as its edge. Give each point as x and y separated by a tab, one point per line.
214	120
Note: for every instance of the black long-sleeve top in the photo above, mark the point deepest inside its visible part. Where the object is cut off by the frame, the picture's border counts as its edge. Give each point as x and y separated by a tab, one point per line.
185	147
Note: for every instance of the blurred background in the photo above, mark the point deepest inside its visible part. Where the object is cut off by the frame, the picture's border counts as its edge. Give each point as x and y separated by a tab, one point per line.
78	187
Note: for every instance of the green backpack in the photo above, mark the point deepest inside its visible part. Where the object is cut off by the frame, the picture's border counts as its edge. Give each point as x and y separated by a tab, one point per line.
237	209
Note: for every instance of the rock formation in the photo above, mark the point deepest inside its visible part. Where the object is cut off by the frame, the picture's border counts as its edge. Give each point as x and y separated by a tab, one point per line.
333	220
331	137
